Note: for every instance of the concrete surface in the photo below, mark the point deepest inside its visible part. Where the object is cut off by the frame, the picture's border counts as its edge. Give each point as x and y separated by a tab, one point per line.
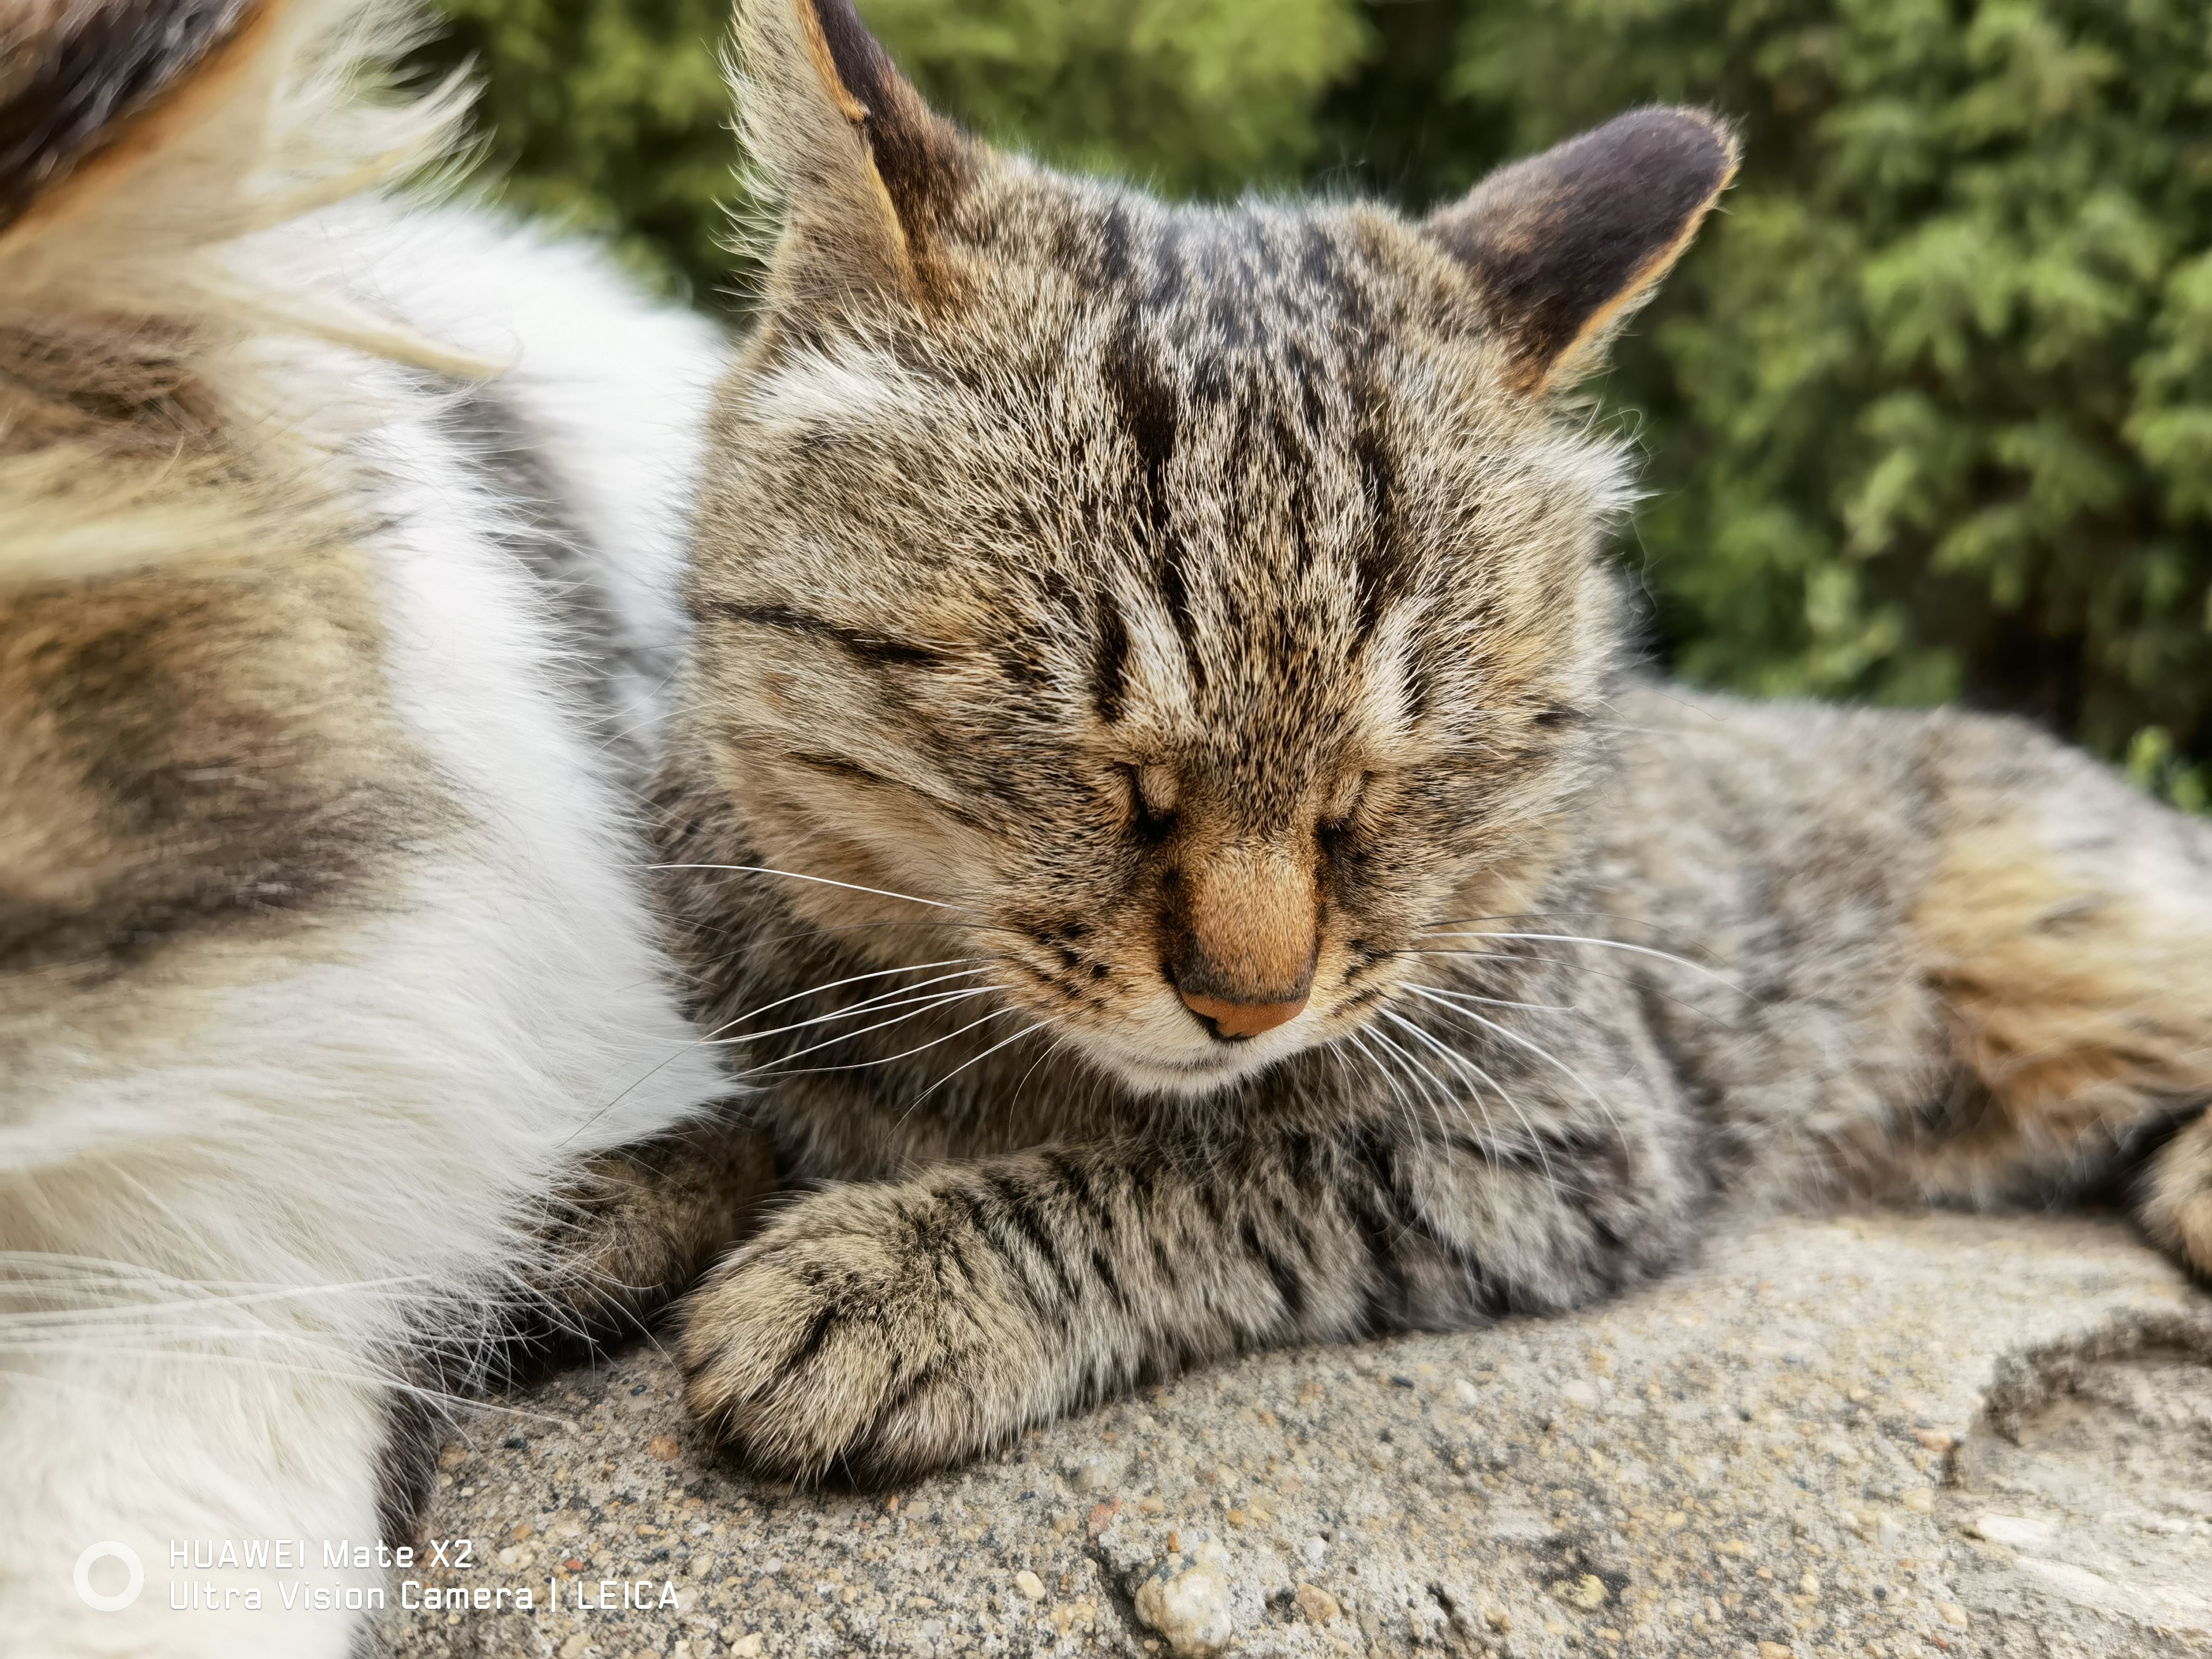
1879	1434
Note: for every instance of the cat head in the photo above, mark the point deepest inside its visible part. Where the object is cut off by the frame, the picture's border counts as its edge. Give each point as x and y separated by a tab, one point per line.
1193	604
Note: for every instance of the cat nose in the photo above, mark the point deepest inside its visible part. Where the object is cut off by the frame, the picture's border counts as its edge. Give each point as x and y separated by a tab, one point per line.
1235	1021
1241	936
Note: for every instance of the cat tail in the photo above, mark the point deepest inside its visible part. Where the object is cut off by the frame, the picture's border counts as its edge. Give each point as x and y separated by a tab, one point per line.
173	378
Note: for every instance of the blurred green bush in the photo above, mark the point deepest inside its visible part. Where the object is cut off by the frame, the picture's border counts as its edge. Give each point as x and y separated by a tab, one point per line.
1928	410
611	113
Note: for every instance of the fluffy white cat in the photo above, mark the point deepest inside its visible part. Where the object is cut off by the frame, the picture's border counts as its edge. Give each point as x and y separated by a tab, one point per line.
338	541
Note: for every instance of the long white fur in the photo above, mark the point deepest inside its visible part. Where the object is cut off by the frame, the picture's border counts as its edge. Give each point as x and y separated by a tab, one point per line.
218	1229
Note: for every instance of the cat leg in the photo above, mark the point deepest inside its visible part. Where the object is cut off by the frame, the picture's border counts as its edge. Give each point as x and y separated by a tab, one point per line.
636	1227
878	1330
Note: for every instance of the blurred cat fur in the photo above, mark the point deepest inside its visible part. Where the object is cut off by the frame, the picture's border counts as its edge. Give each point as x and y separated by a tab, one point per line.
329	653
1161	804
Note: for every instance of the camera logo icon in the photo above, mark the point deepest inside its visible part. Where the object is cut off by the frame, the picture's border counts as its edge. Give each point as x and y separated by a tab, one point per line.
132	1566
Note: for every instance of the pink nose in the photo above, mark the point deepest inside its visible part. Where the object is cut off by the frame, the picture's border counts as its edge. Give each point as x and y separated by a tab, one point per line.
1242	1020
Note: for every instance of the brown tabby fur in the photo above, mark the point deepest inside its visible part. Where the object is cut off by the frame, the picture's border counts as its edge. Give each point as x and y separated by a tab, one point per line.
1111	611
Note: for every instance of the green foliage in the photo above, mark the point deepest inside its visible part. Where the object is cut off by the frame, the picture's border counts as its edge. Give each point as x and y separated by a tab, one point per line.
611	113
1931	407
1190	97
1928	410
606	114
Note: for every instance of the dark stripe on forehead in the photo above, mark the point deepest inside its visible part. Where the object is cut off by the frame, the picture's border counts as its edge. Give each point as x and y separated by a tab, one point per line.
1114	249
1169	278
1174	592
1383	564
1150	413
1308	375
1328	273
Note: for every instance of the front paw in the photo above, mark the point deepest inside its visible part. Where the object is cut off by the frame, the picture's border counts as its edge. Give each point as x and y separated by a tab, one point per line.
860	1337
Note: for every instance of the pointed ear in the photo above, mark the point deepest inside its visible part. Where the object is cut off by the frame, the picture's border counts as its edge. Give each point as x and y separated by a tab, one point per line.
864	169
1566	243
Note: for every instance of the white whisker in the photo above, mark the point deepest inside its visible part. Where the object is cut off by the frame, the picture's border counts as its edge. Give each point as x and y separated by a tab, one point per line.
965	1064
1600	944
854	979
1536	1048
1686	1006
940	1000
1535	1140
913	997
886	1060
799	875
1405	1102
1497	1002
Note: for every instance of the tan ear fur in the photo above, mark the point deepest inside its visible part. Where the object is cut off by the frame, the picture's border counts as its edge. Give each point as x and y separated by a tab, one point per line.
863	169
55	167
1566	245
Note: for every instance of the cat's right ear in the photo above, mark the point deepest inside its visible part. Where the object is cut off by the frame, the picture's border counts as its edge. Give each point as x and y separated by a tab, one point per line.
863	170
1563	245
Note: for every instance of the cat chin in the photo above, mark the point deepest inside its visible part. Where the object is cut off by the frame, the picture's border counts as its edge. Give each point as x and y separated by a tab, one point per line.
1192	1076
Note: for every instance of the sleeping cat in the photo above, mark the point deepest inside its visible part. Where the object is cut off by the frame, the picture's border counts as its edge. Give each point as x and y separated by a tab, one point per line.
1160	805
329	656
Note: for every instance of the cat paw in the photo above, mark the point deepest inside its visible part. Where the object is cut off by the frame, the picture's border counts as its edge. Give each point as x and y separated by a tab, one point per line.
856	1340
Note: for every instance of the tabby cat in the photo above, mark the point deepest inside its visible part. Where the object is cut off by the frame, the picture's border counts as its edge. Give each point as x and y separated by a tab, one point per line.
1161	808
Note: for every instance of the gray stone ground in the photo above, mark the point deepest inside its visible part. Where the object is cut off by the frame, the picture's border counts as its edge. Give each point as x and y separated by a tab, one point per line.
1881	1435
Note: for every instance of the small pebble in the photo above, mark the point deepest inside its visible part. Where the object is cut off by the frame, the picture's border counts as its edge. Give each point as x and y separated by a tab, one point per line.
1319	1606
1186	1598
1030	1584
1092	1475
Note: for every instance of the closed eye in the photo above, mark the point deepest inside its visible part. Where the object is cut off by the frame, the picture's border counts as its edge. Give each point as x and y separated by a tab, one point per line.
845	771
876	650
1152	795
1343	803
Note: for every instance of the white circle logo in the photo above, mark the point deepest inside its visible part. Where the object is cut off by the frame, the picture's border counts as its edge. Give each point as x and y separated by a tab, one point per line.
109	1551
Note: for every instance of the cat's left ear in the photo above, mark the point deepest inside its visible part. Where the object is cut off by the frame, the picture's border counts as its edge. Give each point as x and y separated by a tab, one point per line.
1565	245
866	171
